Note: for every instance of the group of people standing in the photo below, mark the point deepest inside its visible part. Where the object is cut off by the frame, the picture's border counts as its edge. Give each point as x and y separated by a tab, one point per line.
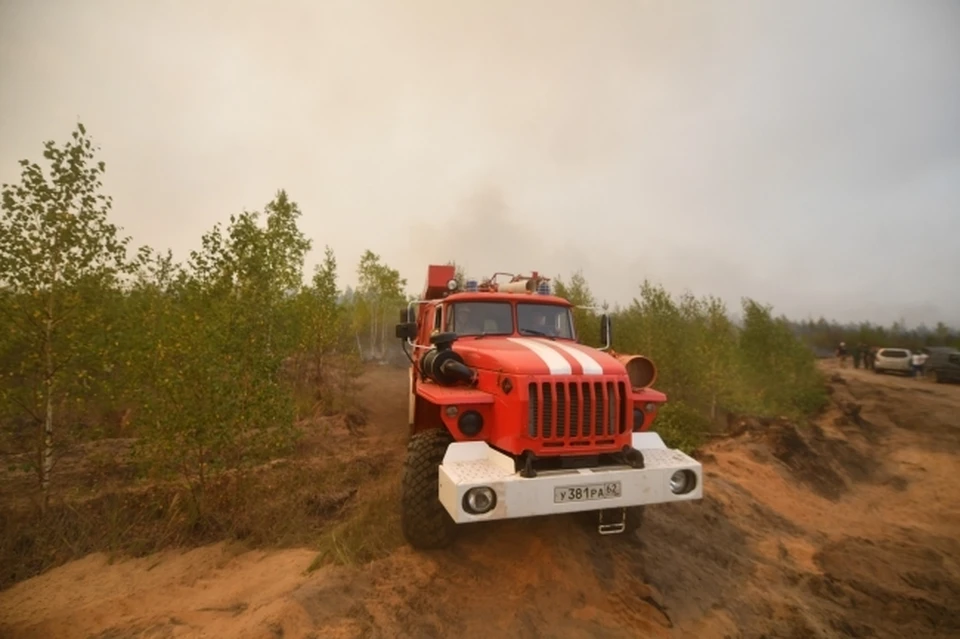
867	355
862	354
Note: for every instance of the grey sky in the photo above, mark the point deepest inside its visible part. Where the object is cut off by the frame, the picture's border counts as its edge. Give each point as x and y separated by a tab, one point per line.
806	154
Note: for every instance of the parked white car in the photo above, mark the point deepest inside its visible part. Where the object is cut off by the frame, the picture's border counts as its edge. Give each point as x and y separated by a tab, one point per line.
893	360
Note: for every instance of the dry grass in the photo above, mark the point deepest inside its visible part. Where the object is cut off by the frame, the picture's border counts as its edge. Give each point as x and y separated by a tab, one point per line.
338	491
286	504
296	501
369	528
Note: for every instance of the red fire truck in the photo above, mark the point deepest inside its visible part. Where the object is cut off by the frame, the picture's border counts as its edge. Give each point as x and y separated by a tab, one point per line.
511	416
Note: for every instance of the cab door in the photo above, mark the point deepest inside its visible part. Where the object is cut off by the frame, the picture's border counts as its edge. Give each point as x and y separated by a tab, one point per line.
436	323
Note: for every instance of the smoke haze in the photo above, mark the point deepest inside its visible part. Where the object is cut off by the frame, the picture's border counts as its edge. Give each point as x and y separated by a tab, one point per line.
804	154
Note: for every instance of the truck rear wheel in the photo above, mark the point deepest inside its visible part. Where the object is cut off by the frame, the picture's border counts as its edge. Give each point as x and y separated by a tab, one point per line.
425	522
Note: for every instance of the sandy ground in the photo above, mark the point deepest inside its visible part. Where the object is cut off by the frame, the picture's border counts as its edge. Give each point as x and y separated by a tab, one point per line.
846	528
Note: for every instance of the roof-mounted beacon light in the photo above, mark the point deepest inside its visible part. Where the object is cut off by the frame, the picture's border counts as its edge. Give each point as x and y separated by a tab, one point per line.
471	285
543	287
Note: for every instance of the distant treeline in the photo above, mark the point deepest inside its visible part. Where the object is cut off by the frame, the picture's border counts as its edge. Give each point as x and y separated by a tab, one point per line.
824	336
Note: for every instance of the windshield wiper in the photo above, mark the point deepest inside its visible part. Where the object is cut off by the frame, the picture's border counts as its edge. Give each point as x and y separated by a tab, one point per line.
535	332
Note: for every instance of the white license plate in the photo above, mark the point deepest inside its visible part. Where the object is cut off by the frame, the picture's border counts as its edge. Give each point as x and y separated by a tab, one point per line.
586	492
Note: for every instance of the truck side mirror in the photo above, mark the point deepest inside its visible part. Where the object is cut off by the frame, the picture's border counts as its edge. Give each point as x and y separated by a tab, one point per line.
406	330
606	331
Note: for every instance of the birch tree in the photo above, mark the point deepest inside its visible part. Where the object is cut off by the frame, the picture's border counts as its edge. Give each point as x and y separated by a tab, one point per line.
578	293
55	243
325	346
381	293
212	399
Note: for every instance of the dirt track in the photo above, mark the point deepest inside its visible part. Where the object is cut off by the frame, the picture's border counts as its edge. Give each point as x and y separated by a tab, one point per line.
850	528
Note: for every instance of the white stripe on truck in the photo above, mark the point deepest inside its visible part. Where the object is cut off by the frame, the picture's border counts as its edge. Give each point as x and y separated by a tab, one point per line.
590	366
553	360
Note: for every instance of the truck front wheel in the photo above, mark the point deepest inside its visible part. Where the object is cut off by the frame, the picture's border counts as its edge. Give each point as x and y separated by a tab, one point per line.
425	522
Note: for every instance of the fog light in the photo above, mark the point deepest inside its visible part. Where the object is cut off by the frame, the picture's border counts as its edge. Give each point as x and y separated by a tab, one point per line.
452	411
470	423
651	407
682	482
478	501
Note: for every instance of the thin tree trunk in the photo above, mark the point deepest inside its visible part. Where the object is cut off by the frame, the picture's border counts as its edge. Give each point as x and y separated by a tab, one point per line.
383	334
269	335
46	450
384	309
374	317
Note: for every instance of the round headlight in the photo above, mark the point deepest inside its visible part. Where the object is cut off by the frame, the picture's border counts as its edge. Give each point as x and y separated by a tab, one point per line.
480	500
682	482
470	423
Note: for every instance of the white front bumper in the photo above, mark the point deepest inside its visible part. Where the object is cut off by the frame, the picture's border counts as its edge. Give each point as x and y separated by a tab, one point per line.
468	465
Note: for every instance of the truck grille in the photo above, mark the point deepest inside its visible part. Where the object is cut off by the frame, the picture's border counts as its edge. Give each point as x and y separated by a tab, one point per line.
576	413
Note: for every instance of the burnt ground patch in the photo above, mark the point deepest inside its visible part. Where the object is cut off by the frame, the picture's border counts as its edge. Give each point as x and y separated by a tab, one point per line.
809	466
703	557
692	547
934	430
877	588
858	464
911	410
853	423
828	466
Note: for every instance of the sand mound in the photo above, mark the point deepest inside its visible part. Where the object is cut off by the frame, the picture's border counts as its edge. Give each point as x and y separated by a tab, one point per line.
847	527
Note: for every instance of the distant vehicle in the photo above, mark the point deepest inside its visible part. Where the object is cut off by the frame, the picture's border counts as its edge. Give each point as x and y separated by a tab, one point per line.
893	360
943	363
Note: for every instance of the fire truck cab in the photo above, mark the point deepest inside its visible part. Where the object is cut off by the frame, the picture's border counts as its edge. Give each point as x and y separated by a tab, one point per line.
511	416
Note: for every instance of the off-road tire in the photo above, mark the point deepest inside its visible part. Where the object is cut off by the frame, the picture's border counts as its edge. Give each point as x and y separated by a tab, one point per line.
425	523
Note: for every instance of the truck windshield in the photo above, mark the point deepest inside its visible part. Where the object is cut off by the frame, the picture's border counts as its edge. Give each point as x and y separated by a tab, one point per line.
481	318
545	319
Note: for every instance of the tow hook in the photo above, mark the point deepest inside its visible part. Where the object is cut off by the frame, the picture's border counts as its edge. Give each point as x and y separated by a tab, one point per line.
528	470
612	521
